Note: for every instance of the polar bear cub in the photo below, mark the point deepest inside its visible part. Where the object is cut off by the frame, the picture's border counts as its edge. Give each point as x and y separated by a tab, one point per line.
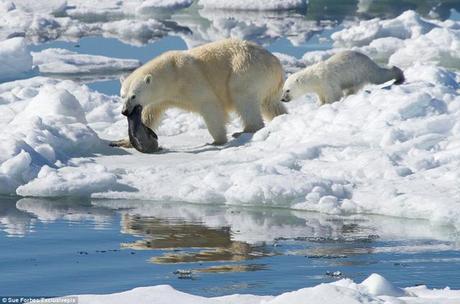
211	80
342	74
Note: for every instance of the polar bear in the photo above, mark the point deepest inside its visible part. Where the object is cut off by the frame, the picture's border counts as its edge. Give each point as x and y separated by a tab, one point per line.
342	74
211	80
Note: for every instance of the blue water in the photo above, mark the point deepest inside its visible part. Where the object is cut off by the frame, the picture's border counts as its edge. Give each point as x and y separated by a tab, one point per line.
61	247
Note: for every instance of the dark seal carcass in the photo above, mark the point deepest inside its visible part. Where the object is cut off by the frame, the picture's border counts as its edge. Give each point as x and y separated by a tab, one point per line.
142	138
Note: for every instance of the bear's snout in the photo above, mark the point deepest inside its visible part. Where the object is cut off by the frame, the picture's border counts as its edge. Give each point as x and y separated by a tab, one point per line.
286	97
126	110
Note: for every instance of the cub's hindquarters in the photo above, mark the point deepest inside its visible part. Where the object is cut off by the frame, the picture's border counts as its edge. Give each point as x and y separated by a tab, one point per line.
347	72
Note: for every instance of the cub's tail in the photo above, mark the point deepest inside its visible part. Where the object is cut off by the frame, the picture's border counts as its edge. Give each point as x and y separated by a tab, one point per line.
398	75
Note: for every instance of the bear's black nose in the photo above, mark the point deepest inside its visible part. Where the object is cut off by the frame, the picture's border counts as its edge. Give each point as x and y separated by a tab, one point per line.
126	110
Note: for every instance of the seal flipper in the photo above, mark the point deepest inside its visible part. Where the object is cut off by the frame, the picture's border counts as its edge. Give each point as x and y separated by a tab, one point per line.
141	137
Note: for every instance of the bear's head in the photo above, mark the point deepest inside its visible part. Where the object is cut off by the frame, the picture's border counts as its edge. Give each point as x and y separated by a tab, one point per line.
292	88
135	92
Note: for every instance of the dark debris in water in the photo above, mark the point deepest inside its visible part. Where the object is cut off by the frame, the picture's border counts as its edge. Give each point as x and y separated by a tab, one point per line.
184	274
234	268
334	274
327	256
319	239
400	264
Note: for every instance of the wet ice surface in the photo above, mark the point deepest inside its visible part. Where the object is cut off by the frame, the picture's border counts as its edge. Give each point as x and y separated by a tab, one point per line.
111	246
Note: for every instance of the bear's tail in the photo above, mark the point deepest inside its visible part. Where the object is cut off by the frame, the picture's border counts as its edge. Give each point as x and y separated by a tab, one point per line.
398	75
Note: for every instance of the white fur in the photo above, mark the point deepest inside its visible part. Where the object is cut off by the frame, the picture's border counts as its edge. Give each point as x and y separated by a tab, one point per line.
342	74
211	80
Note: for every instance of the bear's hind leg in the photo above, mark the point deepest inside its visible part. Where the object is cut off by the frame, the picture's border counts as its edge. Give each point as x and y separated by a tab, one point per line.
350	91
215	119
248	108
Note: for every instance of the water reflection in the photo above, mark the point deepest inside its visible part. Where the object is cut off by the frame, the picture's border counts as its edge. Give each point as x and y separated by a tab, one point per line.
149	243
180	236
19	216
14	222
188	233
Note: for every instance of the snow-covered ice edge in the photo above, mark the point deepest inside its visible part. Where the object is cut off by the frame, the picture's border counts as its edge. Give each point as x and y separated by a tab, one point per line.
375	289
391	150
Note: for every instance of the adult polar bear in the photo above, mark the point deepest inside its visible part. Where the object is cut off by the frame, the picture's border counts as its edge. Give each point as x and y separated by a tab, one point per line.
342	74
211	80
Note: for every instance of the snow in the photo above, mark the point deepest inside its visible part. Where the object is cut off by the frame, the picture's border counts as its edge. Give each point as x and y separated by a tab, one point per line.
440	47
407	25
149	6
385	150
43	124
138	22
250	25
269	5
377	285
69	181
15	59
396	149
374	289
62	62
71	20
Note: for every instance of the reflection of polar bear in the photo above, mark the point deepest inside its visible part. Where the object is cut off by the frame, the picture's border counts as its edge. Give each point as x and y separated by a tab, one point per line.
343	73
211	80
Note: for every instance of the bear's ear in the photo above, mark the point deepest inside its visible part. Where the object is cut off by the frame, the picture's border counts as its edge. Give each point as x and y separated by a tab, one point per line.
122	79
148	78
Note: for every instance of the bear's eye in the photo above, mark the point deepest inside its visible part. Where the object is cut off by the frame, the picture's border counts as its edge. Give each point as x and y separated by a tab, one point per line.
133	97
287	91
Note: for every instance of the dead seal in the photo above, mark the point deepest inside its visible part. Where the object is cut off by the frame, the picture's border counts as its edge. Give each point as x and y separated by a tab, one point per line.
142	138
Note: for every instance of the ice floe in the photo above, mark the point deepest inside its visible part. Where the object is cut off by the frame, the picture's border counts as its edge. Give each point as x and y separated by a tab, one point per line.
390	150
47	126
71	20
138	22
270	5
263	27
407	25
65	62
15	60
375	289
